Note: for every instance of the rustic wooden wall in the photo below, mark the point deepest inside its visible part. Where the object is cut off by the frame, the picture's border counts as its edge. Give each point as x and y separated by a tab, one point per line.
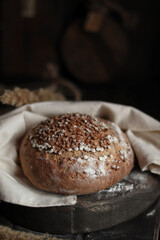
28	43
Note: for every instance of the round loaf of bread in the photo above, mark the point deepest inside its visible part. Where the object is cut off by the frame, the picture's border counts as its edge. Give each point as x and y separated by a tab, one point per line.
75	154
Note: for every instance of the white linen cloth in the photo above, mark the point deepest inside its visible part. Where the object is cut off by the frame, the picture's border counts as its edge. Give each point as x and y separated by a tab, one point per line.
142	130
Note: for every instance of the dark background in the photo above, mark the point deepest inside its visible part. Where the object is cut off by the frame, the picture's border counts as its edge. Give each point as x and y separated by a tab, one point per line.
129	76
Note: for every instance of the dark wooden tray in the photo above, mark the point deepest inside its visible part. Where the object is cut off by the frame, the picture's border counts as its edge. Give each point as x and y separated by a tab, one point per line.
102	210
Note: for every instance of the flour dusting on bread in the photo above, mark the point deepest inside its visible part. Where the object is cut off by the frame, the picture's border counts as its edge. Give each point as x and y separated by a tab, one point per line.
76	149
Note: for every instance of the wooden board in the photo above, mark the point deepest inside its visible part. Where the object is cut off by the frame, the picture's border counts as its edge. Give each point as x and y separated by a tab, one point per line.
94	57
102	210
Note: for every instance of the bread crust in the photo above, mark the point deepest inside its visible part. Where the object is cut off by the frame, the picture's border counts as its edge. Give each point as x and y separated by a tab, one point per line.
75	154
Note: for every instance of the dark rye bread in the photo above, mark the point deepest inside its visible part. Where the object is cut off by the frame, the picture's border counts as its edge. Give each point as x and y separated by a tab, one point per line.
75	154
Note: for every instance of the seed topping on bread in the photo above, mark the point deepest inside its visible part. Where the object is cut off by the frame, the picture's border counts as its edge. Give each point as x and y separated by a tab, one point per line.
75	154
90	137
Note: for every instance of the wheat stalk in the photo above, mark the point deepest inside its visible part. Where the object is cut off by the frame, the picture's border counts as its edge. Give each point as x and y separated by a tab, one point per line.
21	96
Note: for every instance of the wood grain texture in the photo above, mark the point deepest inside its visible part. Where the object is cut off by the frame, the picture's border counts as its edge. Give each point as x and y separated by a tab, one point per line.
93	212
